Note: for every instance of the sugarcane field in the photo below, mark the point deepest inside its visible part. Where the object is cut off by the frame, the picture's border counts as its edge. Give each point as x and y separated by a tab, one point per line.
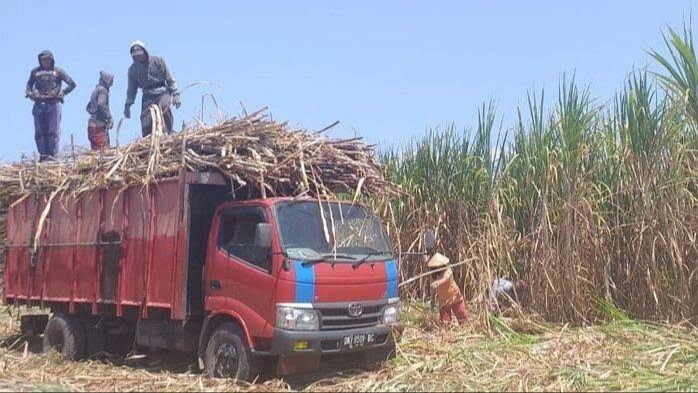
334	196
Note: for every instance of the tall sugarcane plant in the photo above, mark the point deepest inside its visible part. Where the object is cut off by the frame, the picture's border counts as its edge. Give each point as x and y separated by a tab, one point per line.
593	203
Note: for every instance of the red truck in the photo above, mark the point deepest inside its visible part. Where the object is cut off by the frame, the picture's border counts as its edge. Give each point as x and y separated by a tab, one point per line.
188	265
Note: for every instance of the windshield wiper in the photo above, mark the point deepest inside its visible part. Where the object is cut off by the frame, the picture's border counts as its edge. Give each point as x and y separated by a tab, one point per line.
326	257
370	254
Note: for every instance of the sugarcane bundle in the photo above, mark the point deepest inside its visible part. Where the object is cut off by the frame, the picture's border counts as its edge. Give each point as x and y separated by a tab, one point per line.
251	151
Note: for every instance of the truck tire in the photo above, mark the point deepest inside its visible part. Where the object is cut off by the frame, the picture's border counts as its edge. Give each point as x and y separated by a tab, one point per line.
65	335
227	355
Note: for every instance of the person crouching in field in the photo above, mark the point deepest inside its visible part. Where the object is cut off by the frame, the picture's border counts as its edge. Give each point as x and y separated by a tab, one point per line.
448	295
100	116
505	294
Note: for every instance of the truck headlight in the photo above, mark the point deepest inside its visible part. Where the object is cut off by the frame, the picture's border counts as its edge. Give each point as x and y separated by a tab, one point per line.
391	314
293	318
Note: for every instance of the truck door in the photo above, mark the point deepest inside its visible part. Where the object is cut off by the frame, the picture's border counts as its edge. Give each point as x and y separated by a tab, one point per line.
242	270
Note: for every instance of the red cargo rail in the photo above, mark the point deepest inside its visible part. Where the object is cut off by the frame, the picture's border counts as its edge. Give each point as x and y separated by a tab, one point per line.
102	252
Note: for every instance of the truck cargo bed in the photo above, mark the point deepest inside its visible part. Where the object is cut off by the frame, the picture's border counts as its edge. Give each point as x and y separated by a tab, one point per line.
114	251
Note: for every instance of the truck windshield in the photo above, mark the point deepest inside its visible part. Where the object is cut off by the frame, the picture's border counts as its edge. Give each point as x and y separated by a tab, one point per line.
342	233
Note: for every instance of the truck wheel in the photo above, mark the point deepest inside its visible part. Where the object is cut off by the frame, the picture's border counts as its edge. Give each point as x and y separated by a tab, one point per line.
66	336
227	355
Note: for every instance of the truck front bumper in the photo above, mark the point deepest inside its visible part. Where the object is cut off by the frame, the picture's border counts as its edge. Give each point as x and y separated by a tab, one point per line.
334	341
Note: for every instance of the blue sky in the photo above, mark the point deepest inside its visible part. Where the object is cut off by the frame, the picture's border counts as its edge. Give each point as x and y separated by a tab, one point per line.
386	70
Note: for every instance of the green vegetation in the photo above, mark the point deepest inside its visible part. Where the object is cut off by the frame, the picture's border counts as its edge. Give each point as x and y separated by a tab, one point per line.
583	200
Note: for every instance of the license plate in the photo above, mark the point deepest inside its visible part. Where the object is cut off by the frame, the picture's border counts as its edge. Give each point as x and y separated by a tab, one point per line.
355	341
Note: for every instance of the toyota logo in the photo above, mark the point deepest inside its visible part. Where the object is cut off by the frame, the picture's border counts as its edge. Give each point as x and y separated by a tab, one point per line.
355	310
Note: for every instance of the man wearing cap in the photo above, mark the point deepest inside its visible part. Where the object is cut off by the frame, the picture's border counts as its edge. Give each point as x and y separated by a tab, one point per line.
448	295
44	88
150	73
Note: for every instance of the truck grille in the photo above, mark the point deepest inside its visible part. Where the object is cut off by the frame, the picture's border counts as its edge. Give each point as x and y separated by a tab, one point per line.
338	318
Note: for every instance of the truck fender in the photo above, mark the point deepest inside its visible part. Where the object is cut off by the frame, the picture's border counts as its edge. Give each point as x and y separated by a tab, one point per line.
211	322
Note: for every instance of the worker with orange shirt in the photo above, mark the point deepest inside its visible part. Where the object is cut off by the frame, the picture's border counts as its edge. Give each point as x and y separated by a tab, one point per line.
448	295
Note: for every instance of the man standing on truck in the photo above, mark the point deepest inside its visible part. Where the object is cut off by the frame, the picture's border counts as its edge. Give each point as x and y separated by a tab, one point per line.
100	116
150	73
44	88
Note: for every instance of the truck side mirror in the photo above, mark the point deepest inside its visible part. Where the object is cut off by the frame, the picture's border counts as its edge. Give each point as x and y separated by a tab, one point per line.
430	239
262	235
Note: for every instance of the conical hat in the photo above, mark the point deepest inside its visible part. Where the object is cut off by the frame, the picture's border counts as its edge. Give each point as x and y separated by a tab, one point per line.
438	260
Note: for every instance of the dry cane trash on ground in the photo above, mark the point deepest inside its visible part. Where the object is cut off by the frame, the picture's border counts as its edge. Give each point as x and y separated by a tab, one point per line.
624	355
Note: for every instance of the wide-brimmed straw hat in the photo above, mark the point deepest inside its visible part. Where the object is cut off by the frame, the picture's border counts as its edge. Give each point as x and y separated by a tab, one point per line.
438	260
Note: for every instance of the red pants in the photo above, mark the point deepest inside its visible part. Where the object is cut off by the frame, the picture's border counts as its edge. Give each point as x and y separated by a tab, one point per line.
98	136
458	309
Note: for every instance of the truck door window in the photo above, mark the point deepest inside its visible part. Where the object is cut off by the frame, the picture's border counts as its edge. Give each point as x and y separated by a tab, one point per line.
236	236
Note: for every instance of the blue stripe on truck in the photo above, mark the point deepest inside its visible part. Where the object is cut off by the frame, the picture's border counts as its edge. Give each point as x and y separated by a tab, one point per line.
391	277
305	283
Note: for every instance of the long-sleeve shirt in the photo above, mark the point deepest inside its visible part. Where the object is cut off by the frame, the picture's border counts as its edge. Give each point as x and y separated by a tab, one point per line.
447	291
501	287
98	107
152	76
45	84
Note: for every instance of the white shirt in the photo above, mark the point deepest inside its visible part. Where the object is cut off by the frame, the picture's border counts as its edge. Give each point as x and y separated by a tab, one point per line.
499	286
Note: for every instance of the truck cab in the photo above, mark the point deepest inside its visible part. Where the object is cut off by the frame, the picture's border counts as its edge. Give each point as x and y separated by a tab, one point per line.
294	279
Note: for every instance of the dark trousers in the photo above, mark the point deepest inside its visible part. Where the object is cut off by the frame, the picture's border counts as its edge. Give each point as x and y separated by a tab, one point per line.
47	128
163	101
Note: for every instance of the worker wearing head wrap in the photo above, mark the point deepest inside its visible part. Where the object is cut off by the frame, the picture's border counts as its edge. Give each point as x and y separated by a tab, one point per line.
44	88
448	295
100	115
151	75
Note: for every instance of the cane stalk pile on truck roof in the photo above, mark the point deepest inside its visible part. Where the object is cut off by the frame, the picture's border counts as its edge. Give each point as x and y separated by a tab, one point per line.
252	150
